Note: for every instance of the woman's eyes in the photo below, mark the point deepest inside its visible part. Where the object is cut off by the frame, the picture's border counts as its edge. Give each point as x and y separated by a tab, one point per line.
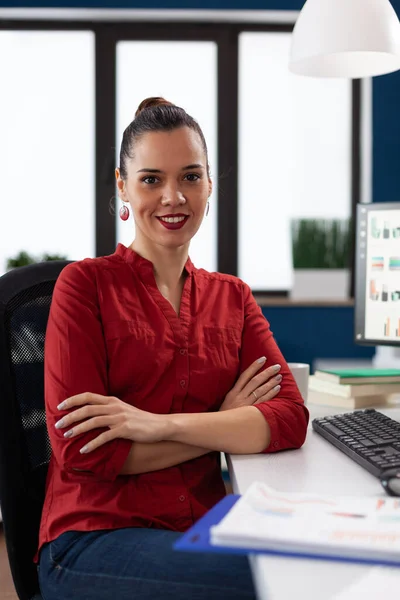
194	175
151	180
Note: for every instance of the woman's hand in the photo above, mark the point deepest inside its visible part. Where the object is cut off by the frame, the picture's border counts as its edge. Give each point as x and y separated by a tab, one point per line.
123	420
252	388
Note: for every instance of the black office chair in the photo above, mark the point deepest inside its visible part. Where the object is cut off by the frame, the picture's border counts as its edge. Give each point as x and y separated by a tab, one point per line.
25	297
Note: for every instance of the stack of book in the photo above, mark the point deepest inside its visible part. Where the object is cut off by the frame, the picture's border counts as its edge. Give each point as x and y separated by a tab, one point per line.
355	388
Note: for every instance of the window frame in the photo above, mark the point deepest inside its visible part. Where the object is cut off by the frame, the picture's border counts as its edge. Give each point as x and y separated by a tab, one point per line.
226	36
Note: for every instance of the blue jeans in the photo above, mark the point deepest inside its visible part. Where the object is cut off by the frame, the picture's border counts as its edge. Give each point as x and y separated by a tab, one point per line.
136	563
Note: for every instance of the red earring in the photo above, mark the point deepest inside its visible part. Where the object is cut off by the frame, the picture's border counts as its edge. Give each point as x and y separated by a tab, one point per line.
124	213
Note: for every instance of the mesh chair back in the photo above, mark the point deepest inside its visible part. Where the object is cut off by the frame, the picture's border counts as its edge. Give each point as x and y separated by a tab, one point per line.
25	297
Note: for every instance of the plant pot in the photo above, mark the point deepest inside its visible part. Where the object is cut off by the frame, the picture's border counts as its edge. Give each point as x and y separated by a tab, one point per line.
321	284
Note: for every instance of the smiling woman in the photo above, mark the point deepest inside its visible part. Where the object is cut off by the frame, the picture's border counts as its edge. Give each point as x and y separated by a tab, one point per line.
152	369
164	188
167	191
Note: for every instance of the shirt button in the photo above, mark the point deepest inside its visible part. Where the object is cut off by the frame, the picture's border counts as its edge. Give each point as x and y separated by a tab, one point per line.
182	351
276	444
182	498
183	382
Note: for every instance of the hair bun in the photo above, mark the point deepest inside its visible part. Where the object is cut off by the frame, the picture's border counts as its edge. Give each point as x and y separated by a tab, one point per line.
151	103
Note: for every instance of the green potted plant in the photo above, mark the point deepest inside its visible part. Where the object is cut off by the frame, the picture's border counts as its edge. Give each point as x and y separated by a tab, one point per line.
23	258
321	250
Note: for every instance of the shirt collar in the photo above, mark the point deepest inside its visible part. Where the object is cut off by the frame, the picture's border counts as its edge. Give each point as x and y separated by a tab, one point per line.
142	264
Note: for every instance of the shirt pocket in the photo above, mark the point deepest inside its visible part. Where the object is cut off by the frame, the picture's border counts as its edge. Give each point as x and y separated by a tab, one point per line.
221	347
223	343
132	354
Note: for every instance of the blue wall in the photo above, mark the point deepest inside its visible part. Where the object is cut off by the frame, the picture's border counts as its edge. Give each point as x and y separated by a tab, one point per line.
386	138
303	333
386	134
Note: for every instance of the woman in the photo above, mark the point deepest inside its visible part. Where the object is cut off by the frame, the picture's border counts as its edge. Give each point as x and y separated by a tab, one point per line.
152	368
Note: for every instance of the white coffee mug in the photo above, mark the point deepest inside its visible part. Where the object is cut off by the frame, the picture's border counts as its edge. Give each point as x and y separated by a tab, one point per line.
301	372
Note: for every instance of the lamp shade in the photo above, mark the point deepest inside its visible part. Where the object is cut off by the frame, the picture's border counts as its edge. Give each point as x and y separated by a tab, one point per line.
345	38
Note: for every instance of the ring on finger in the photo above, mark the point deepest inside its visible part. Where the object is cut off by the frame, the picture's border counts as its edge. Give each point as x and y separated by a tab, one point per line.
255	395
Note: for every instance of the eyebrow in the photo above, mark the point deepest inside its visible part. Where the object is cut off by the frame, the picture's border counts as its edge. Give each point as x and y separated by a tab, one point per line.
194	166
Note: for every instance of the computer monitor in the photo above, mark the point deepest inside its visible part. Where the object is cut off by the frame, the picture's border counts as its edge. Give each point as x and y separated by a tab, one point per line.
377	283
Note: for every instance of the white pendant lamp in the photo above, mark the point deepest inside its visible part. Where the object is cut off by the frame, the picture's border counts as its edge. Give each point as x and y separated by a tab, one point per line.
346	38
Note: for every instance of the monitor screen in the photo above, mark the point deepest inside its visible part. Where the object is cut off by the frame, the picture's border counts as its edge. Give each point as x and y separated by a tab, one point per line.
377	284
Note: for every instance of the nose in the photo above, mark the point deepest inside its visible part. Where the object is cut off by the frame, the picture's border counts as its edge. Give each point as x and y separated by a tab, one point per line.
172	196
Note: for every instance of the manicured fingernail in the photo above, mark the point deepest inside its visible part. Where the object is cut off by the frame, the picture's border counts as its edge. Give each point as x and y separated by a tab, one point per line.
277	388
84	450
62	405
69	433
59	424
262	360
278	378
277	367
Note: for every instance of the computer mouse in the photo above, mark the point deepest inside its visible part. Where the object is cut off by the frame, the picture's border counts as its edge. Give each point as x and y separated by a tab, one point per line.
390	480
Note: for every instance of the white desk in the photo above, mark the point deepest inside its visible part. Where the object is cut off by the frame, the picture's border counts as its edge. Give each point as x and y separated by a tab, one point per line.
317	467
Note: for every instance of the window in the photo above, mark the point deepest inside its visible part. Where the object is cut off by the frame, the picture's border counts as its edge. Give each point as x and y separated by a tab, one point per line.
47	150
294	155
280	146
186	74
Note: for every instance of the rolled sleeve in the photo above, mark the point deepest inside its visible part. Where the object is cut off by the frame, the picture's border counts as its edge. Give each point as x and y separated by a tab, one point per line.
108	468
287	423
76	362
285	414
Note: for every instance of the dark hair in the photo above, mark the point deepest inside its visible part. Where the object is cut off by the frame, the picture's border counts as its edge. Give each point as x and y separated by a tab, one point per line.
155	114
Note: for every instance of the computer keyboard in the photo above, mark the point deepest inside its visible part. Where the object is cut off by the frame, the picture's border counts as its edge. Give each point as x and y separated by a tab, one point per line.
367	436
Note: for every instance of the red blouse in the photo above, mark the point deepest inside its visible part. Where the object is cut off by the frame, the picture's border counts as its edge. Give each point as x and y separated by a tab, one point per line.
111	332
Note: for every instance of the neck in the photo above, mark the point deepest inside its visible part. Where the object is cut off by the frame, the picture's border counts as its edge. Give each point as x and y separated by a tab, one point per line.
168	263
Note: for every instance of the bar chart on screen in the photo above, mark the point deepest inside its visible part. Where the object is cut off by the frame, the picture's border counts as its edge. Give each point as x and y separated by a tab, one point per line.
387	327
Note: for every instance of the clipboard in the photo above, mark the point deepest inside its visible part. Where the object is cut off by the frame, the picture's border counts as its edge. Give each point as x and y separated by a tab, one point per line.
197	539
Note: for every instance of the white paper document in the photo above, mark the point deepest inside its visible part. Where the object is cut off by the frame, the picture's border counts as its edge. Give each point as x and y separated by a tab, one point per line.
332	526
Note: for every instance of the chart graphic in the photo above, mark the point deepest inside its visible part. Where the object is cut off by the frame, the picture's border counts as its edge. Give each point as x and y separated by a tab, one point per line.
377	263
388	324
380	251
394	263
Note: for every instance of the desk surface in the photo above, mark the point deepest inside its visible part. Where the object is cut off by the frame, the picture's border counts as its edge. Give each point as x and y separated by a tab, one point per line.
317	467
